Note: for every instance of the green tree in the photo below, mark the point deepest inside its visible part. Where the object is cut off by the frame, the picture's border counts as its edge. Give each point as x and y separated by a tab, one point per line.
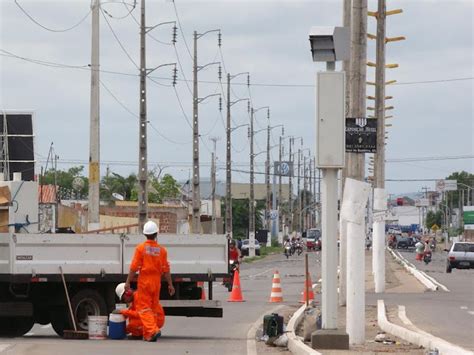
433	218
123	185
162	189
64	179
464	180
240	217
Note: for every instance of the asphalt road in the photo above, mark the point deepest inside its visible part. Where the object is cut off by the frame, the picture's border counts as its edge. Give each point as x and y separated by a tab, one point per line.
227	335
448	315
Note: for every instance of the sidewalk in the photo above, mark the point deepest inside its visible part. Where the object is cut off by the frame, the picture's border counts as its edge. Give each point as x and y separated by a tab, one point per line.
398	280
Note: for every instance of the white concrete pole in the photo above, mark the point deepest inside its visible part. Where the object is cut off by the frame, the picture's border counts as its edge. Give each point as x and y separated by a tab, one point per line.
378	237
353	210
329	249
94	141
342	261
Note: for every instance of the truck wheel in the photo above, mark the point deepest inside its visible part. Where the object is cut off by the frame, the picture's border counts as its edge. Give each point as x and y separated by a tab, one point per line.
86	303
15	326
60	319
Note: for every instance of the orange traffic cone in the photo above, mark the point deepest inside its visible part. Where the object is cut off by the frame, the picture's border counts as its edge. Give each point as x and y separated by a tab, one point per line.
276	294
203	291
236	294
309	290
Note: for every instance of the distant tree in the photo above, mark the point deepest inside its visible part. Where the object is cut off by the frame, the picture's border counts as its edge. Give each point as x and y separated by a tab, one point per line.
123	185
162	189
433	218
464	179
240	217
64	179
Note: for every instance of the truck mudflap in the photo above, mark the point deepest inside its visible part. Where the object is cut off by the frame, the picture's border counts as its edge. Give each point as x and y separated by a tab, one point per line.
192	308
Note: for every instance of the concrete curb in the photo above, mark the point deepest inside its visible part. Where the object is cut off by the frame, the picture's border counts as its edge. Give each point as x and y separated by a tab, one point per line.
412	270
251	342
295	343
424	339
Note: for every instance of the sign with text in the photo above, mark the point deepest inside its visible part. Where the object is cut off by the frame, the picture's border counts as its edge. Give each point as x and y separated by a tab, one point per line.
468	217
446	185
361	135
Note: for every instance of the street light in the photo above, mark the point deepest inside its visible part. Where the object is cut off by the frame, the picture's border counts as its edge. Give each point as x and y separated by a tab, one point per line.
252	194
330	44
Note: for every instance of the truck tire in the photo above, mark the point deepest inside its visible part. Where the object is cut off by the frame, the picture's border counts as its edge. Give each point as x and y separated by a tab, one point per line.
15	326
86	303
60	319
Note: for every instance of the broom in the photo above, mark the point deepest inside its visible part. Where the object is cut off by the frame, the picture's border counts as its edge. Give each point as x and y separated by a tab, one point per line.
72	334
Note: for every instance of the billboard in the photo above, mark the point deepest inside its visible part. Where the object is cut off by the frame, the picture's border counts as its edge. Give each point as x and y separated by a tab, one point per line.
422	202
468	217
446	185
17	144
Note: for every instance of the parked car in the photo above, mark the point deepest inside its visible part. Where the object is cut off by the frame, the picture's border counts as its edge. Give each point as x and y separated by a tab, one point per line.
245	247
460	256
313	239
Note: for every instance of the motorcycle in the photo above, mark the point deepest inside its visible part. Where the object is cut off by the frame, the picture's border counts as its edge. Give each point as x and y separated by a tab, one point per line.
427	257
287	250
229	282
299	248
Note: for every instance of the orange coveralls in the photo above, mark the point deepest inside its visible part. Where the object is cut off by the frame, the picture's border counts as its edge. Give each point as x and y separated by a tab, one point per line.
135	325
151	260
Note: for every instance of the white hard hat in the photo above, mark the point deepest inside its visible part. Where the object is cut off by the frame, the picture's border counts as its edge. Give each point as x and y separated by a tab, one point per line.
149	228
119	290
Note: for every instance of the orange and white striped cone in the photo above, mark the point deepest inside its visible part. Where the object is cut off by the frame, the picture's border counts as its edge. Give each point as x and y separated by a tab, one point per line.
276	295
203	291
309	290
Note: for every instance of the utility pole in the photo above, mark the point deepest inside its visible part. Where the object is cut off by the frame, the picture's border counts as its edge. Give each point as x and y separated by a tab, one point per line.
142	138
346	66
267	178
94	138
228	163
311	192
196	203
213	183
196	225
280	197
298	193
305	186
379	168
252	198
290	193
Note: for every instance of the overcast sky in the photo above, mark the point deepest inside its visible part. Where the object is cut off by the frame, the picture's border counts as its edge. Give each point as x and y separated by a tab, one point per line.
269	39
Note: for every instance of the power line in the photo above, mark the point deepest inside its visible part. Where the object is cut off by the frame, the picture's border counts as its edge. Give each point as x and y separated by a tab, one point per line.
138	117
51	29
118	40
181	29
124	16
453	157
61	65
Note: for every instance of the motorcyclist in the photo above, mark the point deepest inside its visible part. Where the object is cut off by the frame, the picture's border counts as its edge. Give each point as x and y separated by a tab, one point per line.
234	252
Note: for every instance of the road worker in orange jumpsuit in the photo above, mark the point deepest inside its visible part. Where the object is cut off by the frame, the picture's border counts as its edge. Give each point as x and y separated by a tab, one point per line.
134	328
151	262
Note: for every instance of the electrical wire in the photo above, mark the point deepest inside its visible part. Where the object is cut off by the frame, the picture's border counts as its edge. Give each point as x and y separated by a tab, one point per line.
150	35
61	65
52	29
118	40
124	16
138	117
182	108
181	29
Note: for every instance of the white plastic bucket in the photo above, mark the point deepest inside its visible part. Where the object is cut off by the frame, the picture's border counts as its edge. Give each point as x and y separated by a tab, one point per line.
97	327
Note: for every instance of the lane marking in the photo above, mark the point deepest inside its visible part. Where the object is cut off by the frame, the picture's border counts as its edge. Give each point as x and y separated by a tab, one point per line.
29	334
47	326
471	313
463	307
260	273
